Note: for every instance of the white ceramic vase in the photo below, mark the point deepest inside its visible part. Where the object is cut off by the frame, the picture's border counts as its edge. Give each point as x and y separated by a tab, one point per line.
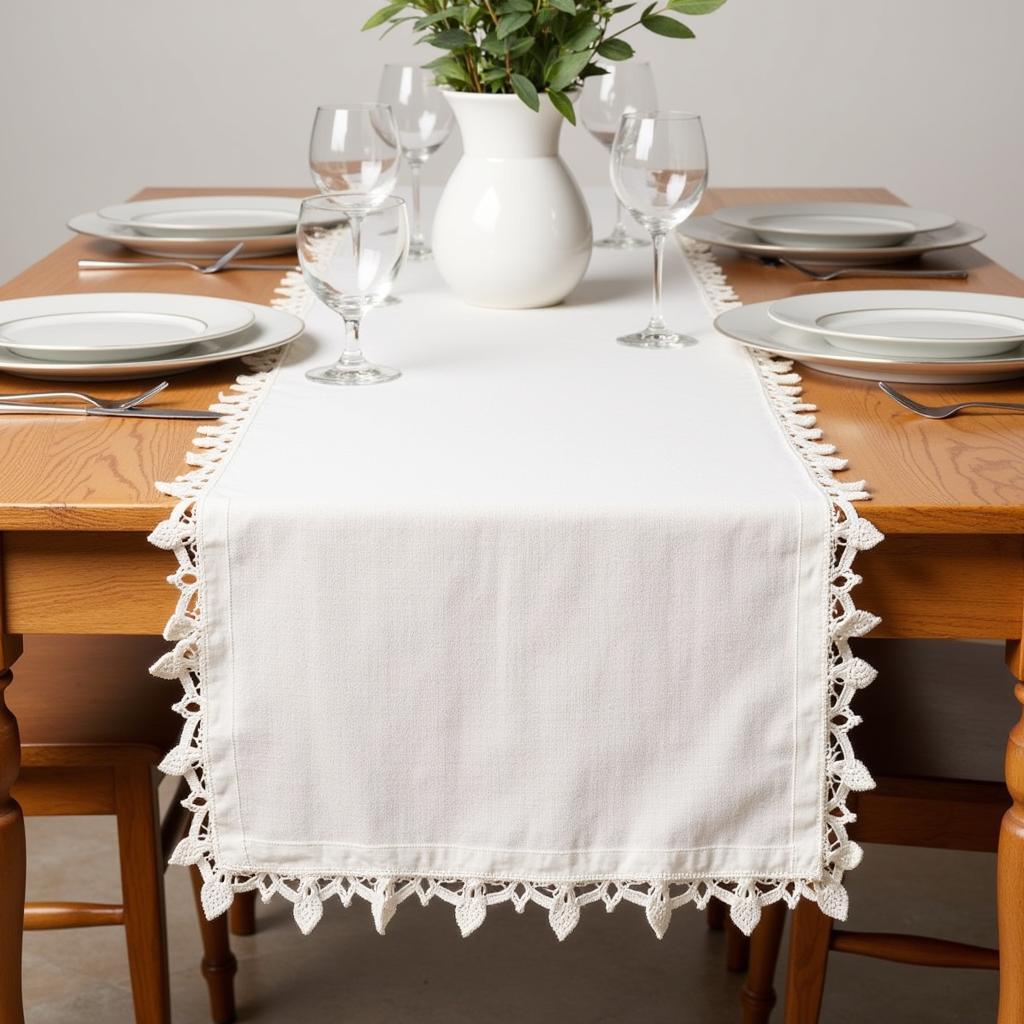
512	230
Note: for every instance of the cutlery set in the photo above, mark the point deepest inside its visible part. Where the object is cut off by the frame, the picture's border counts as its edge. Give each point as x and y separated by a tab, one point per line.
44	402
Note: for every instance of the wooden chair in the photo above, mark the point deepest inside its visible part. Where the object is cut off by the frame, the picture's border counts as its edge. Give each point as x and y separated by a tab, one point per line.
921	720
94	725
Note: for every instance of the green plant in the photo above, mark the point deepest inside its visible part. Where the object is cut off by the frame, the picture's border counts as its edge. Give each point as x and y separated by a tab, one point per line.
530	47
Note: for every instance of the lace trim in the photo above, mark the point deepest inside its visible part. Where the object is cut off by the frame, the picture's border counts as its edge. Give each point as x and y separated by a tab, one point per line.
471	897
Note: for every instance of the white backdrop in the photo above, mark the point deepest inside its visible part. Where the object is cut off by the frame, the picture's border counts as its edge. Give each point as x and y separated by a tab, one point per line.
100	98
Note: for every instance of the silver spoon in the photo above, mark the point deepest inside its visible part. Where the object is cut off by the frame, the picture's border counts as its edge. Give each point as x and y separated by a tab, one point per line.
942	412
213	268
98	403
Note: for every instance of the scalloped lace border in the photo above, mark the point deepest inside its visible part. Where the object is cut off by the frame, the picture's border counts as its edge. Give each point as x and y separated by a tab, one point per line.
469	896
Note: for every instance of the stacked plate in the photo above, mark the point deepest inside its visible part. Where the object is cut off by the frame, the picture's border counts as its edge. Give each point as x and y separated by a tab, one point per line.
190	227
913	337
119	336
849	234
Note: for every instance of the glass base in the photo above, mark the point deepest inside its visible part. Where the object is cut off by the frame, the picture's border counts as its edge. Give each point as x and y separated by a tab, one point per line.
391	300
357	373
657	339
420	251
620	240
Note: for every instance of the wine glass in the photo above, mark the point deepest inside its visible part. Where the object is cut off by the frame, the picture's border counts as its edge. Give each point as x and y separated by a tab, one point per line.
354	148
659	172
628	86
351	249
424	121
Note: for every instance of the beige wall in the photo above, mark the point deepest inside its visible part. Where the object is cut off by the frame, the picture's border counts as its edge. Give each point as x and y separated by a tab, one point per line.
101	97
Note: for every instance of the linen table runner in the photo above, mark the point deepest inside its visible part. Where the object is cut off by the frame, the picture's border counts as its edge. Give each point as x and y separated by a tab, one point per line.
547	620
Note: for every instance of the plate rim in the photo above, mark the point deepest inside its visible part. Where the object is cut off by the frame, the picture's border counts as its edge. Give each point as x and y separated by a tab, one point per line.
879	299
143	300
980	364
130	241
741	213
964	234
107	213
169	364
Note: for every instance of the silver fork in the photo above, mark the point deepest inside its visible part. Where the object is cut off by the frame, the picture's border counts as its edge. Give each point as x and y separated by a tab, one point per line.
832	275
99	403
213	268
942	412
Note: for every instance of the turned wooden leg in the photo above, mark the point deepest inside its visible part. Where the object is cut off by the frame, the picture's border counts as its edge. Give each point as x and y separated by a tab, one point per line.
716	915
218	964
142	887
737	948
12	851
1010	870
809	941
242	914
758	996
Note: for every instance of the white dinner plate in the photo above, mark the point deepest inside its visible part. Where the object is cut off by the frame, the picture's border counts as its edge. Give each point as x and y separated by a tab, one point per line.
115	327
206	216
911	324
753	326
269	329
708	229
833	225
180	248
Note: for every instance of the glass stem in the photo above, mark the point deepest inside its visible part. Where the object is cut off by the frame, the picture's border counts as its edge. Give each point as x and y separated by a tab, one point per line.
352	354
657	320
417	226
620	219
356	227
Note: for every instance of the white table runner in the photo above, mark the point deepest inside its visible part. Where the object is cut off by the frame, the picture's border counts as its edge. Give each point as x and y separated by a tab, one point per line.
548	619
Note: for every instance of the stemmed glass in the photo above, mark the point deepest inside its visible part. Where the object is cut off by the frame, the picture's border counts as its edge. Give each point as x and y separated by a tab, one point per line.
355	149
424	121
628	86
351	250
659	172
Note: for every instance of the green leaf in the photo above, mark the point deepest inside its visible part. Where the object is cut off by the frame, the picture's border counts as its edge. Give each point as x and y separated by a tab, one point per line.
663	26
492	75
584	39
494	46
620	8
615	49
449	67
384	14
432	19
593	71
519	6
563	105
566	69
512	23
694	6
451	39
526	91
521	46
568	6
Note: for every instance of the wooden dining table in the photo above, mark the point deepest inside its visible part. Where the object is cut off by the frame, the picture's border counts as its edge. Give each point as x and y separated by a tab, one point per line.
77	500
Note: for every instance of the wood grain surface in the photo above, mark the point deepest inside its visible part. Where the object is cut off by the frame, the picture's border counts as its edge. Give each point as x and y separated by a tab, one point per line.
964	475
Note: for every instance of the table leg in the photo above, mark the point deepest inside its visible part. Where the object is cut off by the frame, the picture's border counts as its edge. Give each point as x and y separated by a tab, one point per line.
1010	878
12	850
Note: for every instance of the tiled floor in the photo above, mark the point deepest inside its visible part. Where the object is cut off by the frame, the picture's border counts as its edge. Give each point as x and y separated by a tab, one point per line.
512	970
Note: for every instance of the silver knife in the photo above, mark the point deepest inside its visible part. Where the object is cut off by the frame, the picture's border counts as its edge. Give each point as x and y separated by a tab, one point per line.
134	413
